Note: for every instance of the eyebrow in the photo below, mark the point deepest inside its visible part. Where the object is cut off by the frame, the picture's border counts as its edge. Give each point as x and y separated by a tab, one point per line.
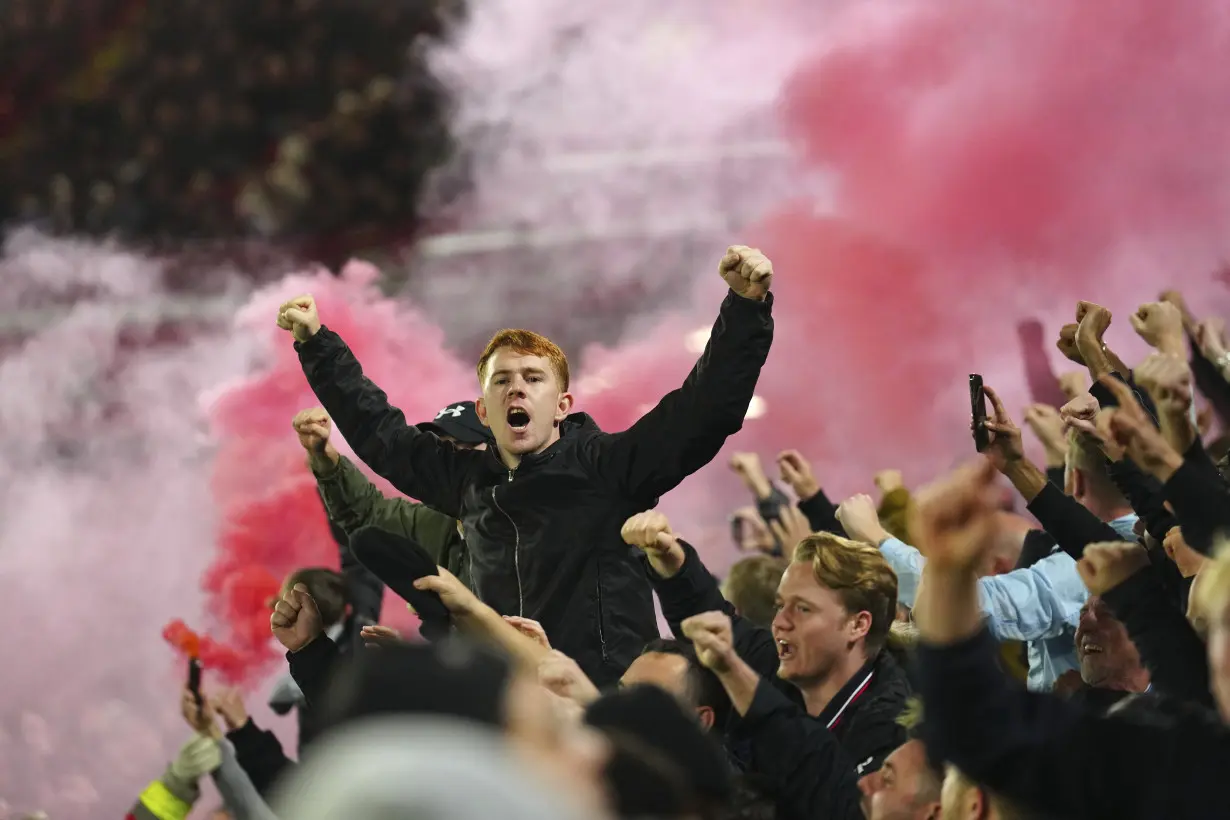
504	371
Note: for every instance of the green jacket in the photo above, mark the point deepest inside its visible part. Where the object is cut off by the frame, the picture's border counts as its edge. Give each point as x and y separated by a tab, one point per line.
352	501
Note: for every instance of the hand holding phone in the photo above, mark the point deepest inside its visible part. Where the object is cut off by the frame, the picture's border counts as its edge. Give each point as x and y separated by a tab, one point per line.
978	411
194	682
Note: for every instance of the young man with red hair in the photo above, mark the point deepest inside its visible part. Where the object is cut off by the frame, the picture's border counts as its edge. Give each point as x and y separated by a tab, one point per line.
542	510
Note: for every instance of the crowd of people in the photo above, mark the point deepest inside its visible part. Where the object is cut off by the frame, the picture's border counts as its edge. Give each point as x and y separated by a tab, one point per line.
928	655
224	119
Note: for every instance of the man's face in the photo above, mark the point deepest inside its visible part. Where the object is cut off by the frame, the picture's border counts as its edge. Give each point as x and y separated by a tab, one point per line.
899	790
522	402
1102	645
812	627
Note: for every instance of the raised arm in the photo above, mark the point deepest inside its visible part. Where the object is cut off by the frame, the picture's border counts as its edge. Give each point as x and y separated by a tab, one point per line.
416	463
688	426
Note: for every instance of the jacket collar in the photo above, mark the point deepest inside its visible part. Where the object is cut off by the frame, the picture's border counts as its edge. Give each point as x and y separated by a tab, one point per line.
569	428
850	694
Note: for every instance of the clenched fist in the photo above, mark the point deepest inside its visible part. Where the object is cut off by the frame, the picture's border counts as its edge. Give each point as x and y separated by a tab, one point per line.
649	531
747	271
1160	324
712	635
299	317
313	427
295	620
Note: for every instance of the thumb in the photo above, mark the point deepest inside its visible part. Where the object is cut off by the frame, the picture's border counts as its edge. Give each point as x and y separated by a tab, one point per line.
429	583
305	600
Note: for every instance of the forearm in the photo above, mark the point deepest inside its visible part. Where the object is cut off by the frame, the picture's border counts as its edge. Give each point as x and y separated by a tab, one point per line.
1025	477
740	682
947	609
486	624
1068	521
237	790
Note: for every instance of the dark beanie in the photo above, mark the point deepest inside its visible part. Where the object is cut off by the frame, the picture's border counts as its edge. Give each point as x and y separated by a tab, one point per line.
448	678
654	717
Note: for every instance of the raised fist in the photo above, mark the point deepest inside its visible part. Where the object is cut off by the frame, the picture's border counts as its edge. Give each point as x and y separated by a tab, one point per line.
1160	324
313	427
296	620
1168	379
1092	322
1107	565
796	471
712	635
860	519
649	531
747	271
299	317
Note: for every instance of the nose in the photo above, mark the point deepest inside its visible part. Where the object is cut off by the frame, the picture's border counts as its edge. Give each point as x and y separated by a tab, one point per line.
869	784
781	622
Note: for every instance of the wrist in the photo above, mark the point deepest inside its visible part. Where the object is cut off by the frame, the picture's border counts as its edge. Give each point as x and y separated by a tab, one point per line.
323	462
806	490
668	563
1172	345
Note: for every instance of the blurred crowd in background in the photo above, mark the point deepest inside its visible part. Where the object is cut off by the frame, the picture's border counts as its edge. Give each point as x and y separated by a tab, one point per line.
218	119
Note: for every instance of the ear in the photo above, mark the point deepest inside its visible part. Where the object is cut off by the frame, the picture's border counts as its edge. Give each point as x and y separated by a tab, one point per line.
704	714
934	811
979	805
1078	484
480	410
564	407
860	625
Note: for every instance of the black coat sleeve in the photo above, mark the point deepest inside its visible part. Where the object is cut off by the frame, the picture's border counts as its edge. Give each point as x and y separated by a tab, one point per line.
689	425
1169	647
807	769
1210	382
1145	494
260	755
312	666
1069	522
363	589
1053	756
416	463
821	514
1198	495
692	591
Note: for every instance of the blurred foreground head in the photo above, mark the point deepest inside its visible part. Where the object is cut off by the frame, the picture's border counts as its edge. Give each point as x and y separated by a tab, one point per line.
481	690
420	766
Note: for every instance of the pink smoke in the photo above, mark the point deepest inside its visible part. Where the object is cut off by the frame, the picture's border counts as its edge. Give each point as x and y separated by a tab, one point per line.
272	518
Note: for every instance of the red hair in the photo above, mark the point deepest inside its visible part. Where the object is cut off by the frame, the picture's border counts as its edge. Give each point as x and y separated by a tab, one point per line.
527	343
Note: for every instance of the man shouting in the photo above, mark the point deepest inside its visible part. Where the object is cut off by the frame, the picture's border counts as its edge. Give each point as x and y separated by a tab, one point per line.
542	511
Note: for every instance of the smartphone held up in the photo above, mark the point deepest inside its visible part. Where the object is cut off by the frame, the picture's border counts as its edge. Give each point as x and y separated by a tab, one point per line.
978	411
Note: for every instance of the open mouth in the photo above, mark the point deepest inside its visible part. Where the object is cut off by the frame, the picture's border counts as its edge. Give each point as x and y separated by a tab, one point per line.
518	419
1090	648
784	650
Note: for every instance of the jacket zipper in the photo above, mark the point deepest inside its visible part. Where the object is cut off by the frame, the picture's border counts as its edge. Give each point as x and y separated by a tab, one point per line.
516	549
601	614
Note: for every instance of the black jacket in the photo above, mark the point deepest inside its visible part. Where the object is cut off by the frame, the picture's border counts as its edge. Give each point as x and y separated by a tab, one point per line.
544	540
862	716
1059	758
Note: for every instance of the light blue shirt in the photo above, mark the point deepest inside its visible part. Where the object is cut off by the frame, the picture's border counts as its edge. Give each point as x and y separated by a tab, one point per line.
1040	604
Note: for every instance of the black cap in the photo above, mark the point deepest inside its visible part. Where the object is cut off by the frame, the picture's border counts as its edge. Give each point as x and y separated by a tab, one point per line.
458	421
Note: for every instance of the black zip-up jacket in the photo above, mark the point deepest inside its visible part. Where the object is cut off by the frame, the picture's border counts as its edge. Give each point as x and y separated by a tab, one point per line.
544	539
862	716
1060	759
